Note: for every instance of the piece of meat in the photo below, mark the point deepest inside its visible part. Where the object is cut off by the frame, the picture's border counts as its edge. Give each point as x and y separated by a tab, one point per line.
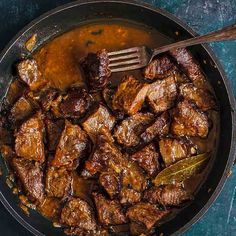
162	94
96	69
133	177
30	175
16	89
146	213
29	73
129	196
163	67
159	68
110	181
21	110
78	213
54	128
29	139
109	211
147	158
83	187
173	150
138	229
130	95
189	66
105	156
100	118
58	182
76	103
108	94
128	131
158	128
48	97
180	77
50	207
168	195
201	97
73	145
55	107
189	121
50	100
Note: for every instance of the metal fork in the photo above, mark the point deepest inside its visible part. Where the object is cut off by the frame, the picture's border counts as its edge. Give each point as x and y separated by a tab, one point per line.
138	57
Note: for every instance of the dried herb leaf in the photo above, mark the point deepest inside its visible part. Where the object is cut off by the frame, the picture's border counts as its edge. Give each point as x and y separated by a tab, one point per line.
182	170
97	32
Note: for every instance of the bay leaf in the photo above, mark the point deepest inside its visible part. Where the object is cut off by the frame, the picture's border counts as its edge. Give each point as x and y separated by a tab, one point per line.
182	170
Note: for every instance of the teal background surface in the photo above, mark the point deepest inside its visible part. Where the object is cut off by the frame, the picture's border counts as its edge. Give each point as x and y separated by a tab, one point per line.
202	16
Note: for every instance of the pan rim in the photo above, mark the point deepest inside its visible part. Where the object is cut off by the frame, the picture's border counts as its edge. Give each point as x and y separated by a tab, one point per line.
232	152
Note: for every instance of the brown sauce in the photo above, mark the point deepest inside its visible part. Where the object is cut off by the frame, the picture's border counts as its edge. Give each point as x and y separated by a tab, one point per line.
58	60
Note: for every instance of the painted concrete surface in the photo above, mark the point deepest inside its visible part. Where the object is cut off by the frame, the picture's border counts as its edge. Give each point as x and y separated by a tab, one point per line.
203	16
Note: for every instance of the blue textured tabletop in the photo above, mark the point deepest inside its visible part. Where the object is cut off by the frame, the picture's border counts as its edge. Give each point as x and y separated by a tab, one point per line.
202	16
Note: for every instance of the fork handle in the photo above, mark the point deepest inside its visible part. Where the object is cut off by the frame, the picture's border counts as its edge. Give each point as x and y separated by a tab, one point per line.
226	33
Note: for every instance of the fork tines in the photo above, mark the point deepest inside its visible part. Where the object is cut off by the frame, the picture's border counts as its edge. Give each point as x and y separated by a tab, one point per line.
127	59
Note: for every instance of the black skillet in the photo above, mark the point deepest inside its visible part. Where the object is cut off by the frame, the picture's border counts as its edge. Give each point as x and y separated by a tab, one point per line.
68	16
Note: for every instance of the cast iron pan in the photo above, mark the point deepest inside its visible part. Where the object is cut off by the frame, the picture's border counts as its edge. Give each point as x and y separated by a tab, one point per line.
68	16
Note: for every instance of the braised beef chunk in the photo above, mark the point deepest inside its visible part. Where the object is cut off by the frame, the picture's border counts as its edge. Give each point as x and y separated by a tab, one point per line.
133	177
50	102
16	89
105	156
96	69
158	128
73	145
130	95
50	207
128	131
76	103
83	187
100	118
139	229
169	195
108	94
54	128
129	196
29	73
202	98
159	68
189	66
29	139
146	213
78	213
162	94
173	150
58	182
188	120
147	158
49	96
109	211
30	176
110	181
180	77
163	67
21	110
